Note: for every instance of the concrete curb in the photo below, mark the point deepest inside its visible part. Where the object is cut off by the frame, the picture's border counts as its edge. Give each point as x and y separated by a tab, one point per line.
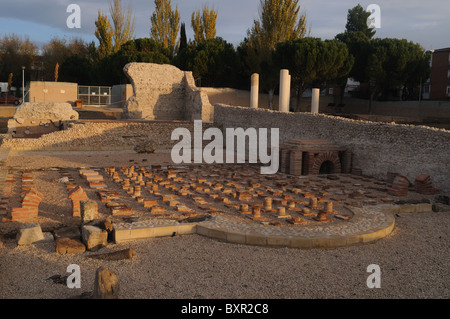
233	236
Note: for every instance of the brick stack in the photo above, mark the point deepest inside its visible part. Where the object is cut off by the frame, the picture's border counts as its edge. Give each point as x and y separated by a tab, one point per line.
399	186
30	206
94	179
27	183
76	195
424	186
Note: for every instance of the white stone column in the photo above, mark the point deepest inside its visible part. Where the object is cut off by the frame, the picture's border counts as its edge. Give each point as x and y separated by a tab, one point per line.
315	101
285	86
254	91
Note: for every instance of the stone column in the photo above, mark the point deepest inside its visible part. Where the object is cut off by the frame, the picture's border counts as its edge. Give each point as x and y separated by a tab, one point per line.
285	86
254	94
315	101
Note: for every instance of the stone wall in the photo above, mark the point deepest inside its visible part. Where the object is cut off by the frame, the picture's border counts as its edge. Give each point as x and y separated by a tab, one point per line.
378	148
164	92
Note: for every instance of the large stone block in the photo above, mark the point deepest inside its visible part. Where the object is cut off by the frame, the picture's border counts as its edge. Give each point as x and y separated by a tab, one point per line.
29	233
94	237
69	246
47	111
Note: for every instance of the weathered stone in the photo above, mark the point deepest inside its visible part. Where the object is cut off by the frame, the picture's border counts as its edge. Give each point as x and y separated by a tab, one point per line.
106	285
94	237
145	147
69	246
29	233
72	232
89	210
164	92
48	111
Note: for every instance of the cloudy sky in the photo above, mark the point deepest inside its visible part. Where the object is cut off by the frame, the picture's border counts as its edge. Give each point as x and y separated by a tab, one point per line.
420	21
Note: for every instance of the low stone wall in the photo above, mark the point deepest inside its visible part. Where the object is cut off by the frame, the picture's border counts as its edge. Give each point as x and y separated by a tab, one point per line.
378	148
93	135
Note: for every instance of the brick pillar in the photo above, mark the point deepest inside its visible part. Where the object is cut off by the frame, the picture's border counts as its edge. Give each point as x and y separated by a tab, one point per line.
295	163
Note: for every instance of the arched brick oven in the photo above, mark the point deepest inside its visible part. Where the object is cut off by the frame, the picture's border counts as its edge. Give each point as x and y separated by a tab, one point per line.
313	157
326	163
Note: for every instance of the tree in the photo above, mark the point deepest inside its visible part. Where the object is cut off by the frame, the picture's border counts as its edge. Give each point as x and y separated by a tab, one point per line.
104	33
110	69
204	24
166	25
357	22
357	37
16	52
313	62
56	71
10	81
394	64
77	69
123	24
213	63
279	21
183	38
55	51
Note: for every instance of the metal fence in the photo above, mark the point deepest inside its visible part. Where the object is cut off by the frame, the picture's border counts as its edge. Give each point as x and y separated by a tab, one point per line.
94	95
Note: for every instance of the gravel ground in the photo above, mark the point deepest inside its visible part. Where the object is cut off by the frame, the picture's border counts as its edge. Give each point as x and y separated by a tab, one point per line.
414	263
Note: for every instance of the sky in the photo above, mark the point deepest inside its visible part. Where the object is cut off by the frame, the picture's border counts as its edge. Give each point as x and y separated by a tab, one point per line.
421	21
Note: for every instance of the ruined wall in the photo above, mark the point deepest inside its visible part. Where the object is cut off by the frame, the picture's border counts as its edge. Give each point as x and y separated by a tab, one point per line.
197	102
159	92
164	92
377	148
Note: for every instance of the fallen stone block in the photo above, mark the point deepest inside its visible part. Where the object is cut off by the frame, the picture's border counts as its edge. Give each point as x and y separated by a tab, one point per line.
72	232
94	237
29	233
69	246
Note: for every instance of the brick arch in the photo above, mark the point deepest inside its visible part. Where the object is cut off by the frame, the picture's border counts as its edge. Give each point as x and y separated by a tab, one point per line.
332	157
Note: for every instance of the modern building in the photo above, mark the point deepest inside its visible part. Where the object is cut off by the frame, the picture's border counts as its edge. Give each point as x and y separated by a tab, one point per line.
438	87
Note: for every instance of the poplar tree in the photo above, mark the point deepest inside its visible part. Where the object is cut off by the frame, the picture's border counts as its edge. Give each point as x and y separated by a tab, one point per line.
104	34
123	24
166	25
279	21
204	24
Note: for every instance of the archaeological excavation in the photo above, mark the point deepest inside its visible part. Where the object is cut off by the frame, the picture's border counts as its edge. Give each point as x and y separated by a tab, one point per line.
87	187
